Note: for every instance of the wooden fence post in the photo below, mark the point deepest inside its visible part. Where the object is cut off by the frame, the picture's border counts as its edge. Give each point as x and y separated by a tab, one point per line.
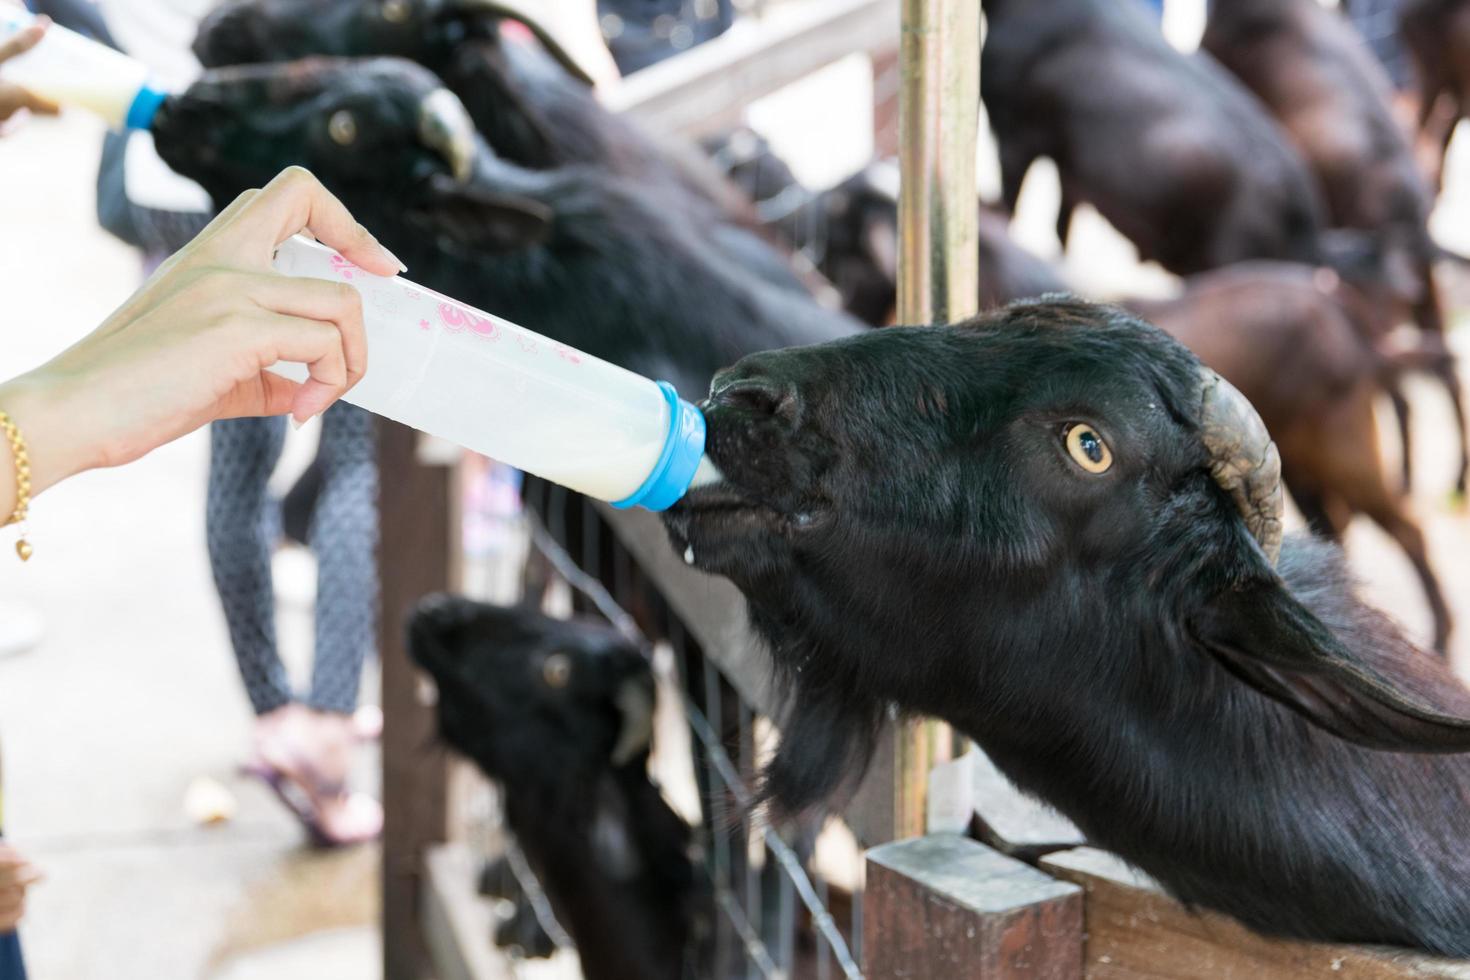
417	555
944	907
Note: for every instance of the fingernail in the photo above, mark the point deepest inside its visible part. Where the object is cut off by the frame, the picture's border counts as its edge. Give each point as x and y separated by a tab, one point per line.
383	248
296	423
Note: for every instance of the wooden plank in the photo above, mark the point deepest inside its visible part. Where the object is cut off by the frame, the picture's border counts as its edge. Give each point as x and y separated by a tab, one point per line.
946	908
1134	930
417	554
885	103
1012	822
712	608
870	814
457	923
708	87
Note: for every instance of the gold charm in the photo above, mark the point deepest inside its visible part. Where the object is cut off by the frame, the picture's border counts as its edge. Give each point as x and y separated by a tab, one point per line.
24	549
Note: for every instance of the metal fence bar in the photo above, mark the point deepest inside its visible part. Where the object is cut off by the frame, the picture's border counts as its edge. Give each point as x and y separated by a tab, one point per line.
520	869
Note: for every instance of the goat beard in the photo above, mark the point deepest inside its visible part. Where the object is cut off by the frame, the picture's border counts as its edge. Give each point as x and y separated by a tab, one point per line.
828	736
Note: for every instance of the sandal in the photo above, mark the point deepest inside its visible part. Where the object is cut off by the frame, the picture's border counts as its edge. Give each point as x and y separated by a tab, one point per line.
307	795
332	816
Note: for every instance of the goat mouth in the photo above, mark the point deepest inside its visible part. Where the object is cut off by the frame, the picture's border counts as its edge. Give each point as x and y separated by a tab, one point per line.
709	526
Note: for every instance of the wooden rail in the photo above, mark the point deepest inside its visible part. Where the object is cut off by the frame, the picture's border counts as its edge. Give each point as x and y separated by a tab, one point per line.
1134	930
708	88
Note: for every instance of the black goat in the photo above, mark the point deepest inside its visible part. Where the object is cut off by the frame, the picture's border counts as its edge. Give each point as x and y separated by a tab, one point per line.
1054	529
1168	147
537	112
1312	69
576	253
1295	342
561	714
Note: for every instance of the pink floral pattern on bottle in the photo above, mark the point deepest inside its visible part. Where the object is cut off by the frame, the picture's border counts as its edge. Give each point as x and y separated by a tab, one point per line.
453	318
457	318
567	354
342	267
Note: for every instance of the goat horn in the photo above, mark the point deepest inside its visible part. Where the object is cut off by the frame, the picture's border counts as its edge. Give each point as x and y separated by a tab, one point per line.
635	706
1243	459
516	12
445	127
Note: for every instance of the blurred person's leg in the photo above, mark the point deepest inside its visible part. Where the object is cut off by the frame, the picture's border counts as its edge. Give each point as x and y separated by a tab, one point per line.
1378	22
12	964
343	535
242	454
314	749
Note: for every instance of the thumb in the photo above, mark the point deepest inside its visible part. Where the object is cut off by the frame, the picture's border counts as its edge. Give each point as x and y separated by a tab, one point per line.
38	105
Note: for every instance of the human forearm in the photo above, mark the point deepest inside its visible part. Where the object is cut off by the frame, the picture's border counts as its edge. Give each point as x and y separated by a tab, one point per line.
53	425
194	343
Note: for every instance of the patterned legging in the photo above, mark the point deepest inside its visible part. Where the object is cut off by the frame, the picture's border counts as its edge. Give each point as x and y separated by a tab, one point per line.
242	528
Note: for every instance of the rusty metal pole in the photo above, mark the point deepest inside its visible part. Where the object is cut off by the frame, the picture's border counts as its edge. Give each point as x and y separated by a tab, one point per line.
939	107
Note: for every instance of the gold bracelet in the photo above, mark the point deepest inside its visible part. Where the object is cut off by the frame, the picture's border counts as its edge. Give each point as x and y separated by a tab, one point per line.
22	484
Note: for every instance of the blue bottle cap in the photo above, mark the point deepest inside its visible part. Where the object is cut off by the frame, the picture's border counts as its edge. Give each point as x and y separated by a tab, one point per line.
683	449
144	108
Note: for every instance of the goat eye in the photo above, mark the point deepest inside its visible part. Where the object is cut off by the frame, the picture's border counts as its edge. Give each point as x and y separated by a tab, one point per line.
1087	448
395	11
556	670
342	127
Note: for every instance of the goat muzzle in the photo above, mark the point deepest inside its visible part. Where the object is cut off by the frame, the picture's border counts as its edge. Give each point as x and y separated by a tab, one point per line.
446	128
1243	459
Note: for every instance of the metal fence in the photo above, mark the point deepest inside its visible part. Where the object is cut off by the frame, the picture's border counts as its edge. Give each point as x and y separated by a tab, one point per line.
775	916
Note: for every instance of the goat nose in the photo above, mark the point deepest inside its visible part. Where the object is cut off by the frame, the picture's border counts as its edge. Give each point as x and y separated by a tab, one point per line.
438	608
764	397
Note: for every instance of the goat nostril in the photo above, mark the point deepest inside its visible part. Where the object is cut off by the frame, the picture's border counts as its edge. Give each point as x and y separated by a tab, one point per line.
759	397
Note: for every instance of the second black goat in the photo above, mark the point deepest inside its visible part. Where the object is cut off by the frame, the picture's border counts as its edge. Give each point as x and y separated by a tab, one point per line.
575	253
561	715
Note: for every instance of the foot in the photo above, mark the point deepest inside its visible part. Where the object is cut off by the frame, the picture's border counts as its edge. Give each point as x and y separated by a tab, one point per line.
305	756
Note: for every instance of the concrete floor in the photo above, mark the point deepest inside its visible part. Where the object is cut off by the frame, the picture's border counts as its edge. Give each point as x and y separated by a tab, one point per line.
133	693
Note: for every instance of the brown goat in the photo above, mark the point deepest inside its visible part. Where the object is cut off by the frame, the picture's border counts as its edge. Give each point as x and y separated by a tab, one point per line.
1315	74
1437	34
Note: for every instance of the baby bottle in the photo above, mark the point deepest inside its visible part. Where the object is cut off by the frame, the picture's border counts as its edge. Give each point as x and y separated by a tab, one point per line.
71	70
456	372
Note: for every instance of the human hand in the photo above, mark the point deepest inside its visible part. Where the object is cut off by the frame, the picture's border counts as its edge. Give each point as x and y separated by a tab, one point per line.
193	344
16	876
13	98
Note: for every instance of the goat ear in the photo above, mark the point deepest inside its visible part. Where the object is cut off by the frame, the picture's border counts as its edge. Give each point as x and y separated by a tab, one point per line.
481	220
1276	645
